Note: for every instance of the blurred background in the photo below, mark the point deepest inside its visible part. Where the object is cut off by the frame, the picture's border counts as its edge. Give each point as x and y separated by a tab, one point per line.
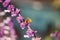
45	15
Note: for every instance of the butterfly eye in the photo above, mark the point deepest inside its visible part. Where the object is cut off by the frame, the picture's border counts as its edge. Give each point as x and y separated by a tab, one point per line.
28	20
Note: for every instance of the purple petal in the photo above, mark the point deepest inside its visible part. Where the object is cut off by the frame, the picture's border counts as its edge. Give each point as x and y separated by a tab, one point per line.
58	37
6	2
1	31
11	7
10	24
0	1
28	25
23	25
29	32
12	31
56	33
13	13
19	19
17	11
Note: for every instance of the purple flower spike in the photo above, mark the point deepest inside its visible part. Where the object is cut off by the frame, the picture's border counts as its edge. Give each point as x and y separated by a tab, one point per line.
7	23
6	2
23	25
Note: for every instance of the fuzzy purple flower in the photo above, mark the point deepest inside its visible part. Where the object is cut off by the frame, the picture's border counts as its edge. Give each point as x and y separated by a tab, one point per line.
17	11
19	19
23	25
31	33
8	24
